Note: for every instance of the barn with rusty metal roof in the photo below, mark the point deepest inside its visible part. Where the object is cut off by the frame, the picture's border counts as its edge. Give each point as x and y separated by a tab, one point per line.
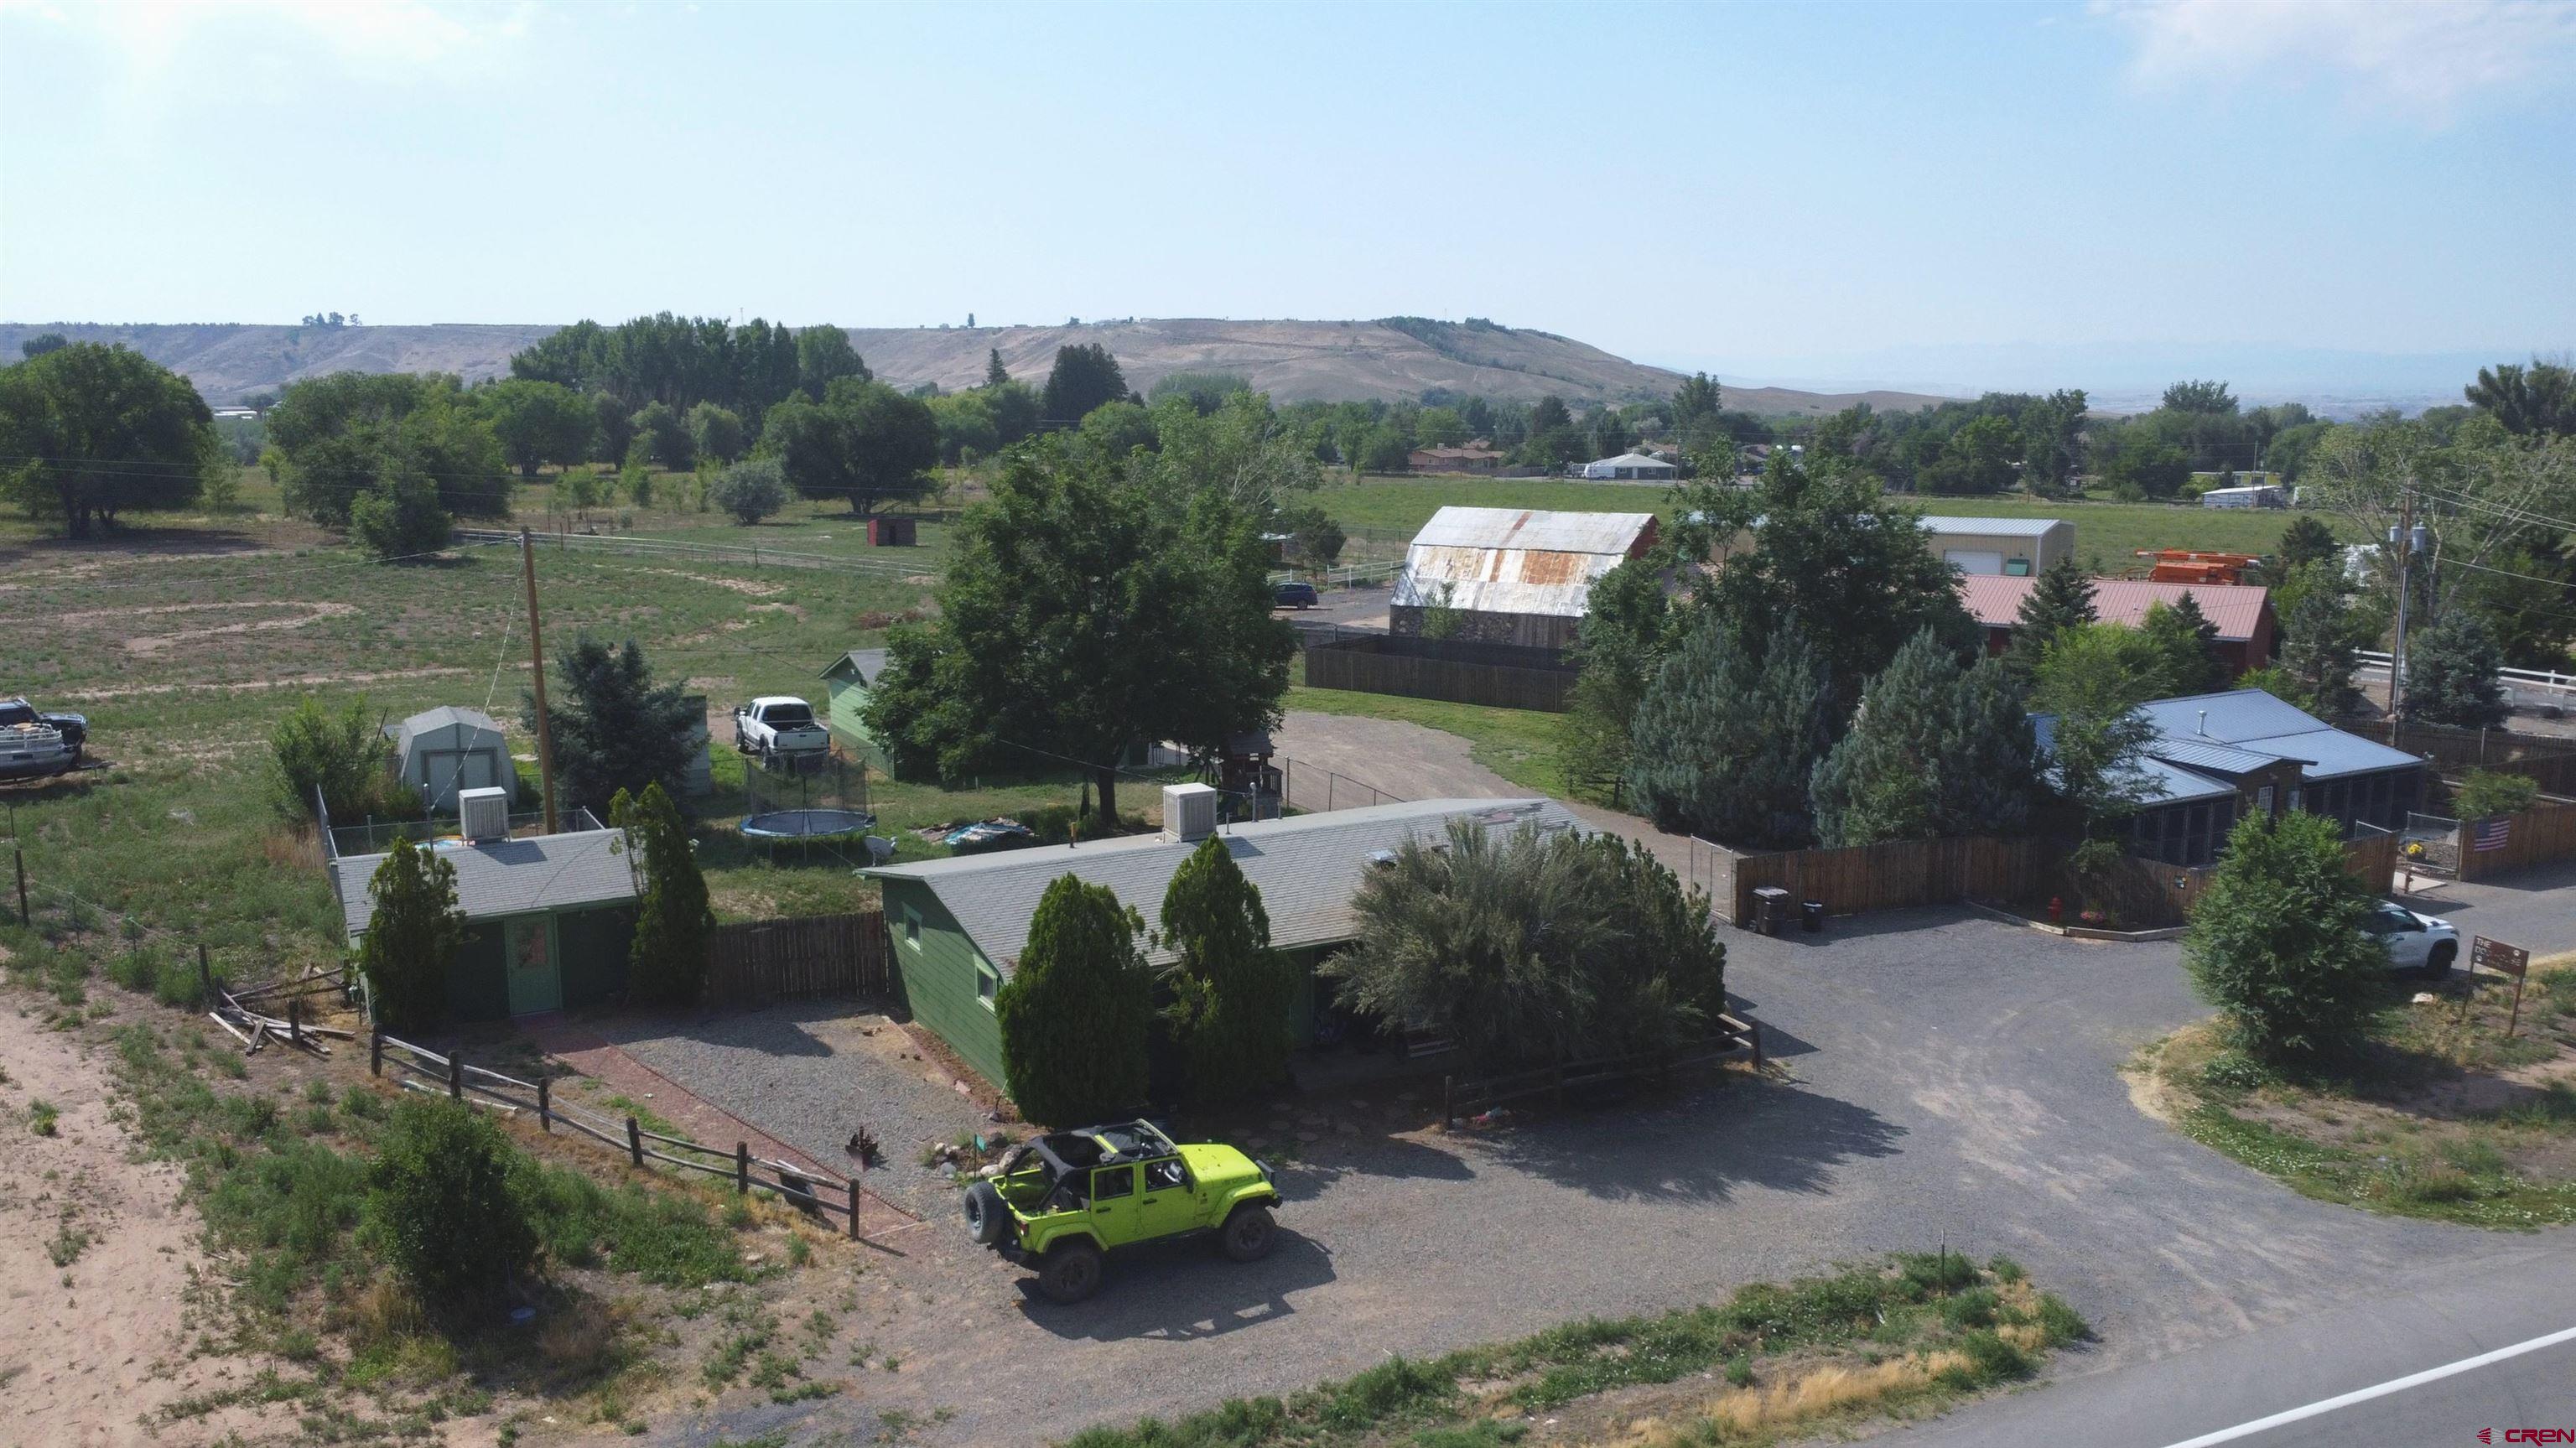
1511	575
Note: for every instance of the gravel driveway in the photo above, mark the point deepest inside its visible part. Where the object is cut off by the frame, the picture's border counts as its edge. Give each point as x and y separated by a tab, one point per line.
1948	1080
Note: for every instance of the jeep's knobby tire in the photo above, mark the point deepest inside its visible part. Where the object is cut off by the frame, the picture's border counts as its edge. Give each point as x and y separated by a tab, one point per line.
1070	1273
986	1214
2438	964
1247	1235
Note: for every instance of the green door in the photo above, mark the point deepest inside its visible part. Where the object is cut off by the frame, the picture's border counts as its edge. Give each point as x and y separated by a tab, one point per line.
1114	1206
536	977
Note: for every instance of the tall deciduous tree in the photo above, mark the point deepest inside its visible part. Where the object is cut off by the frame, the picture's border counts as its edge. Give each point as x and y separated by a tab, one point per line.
2538	400
537	422
2061	600
412	937
1626	628
1084	377
1978	458
1077	1012
667	964
1833	555
613	727
824	356
2091	682
1725	741
717	433
2276	941
88	433
1230	992
1083	614
351	432
666	430
864	442
2452	674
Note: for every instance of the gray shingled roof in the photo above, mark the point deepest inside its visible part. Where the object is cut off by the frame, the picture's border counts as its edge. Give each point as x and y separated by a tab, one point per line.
1307	868
505	877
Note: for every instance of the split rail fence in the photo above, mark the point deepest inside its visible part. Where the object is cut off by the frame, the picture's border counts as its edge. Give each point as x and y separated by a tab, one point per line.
422	1069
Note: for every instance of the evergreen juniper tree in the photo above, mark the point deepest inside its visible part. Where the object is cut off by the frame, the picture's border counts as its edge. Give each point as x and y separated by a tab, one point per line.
1989	757
2182	642
2451	674
2062	599
1725	741
1231	993
1077	1012
668	959
995	374
411	938
2305	541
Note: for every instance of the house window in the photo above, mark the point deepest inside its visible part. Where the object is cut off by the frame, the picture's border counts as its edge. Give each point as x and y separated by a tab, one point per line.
988	982
912	927
2017	568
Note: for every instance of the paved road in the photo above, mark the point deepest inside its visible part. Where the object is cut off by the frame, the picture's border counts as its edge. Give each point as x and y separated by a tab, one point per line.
2419	1322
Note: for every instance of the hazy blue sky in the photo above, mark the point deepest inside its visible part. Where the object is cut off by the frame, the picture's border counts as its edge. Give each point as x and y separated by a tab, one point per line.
1751	188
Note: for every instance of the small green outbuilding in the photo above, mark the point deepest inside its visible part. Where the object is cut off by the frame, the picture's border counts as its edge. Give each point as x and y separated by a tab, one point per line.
549	920
958	925
847	681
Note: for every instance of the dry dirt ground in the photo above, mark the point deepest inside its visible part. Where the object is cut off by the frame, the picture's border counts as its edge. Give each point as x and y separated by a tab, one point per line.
90	1347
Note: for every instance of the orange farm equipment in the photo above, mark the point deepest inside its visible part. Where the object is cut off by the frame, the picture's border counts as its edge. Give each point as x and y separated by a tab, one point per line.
2182	565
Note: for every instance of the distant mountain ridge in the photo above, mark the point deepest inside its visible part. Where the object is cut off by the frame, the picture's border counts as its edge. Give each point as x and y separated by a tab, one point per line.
1391	358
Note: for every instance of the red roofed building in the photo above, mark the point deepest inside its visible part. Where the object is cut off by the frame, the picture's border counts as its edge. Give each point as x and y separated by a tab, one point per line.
2242	612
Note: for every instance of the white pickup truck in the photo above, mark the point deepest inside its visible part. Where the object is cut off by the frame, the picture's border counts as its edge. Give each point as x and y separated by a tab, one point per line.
778	726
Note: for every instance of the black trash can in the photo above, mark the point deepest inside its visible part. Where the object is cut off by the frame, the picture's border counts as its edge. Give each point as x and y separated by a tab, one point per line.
1811	916
1770	910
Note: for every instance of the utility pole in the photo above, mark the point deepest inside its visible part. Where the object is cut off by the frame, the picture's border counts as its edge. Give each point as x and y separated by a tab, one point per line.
537	653
2405	540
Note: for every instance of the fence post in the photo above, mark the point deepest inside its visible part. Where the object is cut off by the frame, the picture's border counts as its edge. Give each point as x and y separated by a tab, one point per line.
545	1103
455	1076
854	1209
1753	1033
295	1020
19	851
375	1050
634	1141
205	973
742	1167
1448	1100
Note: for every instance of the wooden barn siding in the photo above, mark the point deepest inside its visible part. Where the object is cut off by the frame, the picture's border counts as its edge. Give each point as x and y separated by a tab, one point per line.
1493	685
2537	836
758	961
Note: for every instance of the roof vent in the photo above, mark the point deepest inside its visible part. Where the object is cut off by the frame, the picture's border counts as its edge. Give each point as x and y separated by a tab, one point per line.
1383	859
483	814
2204	721
1189	811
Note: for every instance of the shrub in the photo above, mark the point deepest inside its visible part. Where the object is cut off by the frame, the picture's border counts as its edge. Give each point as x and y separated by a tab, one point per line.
2276	941
2486	793
343	756
400	516
672	919
750	491
439	1196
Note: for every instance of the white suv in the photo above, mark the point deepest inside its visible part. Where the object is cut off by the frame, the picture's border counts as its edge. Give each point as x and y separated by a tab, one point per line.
2414	942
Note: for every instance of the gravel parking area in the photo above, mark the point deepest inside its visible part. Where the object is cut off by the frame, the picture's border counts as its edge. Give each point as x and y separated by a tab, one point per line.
811	1073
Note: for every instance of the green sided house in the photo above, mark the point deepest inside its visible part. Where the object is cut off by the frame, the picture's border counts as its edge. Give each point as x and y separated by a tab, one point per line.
847	682
548	920
958	925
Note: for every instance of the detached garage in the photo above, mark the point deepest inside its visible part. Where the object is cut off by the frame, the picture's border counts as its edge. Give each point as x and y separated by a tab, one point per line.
443	750
2011	547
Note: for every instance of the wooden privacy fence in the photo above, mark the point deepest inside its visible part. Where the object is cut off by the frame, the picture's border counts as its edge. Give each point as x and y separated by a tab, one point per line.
2537	836
1894	875
422	1069
2147	894
2546	761
759	961
1373	665
1468	1096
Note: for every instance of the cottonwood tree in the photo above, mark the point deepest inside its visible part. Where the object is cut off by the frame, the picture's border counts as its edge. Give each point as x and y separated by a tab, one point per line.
2487	498
398	515
1725	739
1082	615
750	491
613	727
2452	674
864	443
412	937
716	432
667	963
1230	992
2538	400
2276	941
666	429
1077	1013
2090	683
89	433
1240	450
350	433
537	422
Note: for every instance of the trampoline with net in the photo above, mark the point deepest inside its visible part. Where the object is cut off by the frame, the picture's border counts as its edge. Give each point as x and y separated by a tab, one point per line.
823	803
808	824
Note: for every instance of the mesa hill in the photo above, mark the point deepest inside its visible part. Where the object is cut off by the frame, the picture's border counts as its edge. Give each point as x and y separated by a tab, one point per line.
1391	358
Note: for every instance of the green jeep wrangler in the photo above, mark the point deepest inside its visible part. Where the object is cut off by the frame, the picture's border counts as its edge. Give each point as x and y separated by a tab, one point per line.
1062	1200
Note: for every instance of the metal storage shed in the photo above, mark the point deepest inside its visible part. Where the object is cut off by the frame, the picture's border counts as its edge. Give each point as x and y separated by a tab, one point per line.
1513	575
440	751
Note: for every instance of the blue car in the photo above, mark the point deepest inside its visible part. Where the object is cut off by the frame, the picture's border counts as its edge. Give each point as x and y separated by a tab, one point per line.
1293	595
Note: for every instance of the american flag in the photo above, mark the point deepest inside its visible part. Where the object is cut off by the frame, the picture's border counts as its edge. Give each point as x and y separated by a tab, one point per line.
2491	834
